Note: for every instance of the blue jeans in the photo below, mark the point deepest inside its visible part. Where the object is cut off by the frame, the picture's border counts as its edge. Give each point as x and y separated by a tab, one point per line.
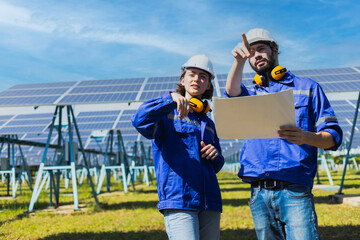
284	213
192	225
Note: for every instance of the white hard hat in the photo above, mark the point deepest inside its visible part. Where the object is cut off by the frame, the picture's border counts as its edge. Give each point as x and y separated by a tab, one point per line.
200	61
259	34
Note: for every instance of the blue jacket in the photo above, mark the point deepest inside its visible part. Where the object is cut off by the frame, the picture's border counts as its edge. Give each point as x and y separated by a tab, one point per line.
184	179
277	158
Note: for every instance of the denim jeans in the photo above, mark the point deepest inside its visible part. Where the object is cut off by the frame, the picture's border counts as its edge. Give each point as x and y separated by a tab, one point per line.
192	225
284	213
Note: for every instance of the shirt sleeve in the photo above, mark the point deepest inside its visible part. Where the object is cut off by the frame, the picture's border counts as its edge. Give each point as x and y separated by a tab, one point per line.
148	118
325	118
244	92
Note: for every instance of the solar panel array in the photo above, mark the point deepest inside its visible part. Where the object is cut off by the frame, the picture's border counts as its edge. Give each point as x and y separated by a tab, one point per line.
26	123
34	126
66	93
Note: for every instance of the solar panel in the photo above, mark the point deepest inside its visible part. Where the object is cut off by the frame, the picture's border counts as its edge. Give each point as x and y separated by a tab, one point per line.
31	122
98	113
129	131
129	111
173	79
97	98
20	130
124	125
106	89
130	137
95	126
2	122
34	116
96	119
32	92
5	117
26	101
44	85
325	71
112	82
149	95
27	123
89	91
161	86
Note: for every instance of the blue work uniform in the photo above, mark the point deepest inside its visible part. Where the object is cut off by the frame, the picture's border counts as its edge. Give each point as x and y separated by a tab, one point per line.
278	158
185	180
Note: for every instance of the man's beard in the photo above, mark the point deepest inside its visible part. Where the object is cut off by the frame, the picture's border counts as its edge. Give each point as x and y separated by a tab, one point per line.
264	70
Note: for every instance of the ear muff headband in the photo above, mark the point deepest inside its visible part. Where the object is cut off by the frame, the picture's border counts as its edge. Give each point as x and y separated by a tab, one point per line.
276	74
199	106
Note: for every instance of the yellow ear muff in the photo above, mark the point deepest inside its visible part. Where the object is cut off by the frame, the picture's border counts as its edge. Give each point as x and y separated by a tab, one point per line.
199	106
278	73
258	80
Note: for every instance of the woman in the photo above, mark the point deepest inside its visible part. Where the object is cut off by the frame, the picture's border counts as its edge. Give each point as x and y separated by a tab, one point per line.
187	154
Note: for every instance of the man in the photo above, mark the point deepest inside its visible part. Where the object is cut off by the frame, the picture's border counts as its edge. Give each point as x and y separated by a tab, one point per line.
281	170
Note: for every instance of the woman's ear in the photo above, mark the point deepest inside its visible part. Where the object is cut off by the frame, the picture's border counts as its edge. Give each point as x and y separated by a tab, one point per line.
182	81
182	78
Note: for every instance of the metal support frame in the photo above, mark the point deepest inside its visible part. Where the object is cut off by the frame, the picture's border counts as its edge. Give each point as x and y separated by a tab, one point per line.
15	177
135	169
45	173
325	165
349	147
109	165
145	159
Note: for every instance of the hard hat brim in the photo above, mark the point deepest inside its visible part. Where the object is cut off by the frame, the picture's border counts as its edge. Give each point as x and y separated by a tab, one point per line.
211	75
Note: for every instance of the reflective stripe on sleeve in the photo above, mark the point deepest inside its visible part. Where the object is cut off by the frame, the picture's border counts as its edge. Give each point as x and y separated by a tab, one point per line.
326	119
302	92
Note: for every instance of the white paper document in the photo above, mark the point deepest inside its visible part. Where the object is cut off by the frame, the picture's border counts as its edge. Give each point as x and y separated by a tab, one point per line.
257	116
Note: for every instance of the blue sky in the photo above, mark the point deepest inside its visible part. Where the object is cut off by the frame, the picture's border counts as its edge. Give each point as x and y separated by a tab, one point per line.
52	40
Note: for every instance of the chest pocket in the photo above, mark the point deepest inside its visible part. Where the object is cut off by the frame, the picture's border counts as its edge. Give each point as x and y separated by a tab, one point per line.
185	132
302	111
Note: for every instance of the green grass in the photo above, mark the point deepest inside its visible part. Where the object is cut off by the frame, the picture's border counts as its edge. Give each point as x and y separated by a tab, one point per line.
134	215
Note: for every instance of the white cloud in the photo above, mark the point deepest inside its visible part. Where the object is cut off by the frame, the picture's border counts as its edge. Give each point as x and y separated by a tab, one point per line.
115	36
187	42
14	16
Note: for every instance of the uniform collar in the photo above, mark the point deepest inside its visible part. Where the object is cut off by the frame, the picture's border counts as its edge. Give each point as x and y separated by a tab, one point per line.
288	78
